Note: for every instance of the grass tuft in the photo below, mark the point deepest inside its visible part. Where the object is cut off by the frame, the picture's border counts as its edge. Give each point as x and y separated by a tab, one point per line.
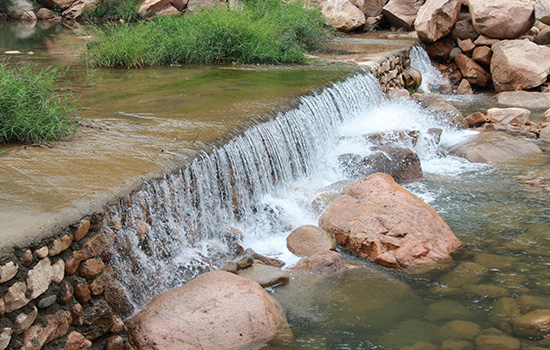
263	31
114	10
31	111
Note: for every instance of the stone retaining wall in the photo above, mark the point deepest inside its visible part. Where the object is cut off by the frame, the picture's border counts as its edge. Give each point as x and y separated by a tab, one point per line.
61	294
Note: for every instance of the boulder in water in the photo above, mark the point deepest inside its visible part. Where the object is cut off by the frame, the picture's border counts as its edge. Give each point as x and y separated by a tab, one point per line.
502	19
519	65
400	163
217	310
321	263
494	147
381	221
308	240
266	276
436	18
509	115
535	324
524	99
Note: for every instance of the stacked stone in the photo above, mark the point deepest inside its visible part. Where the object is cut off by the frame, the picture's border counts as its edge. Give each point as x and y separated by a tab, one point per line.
390	72
62	294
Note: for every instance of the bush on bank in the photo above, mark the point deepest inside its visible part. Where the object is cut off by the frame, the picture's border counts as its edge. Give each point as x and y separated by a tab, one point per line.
262	31
31	111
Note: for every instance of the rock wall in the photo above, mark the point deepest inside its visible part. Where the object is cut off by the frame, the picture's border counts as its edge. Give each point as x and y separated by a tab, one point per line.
62	293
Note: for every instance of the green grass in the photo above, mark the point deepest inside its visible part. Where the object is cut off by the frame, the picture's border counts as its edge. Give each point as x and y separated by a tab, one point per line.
31	111
113	10
264	31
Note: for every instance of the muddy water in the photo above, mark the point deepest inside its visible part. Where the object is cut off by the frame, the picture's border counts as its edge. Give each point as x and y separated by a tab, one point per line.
136	124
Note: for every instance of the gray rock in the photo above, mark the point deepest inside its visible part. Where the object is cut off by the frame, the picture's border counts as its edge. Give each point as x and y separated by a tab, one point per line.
23	321
266	276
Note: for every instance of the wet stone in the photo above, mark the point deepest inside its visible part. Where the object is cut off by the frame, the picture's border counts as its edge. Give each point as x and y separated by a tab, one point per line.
5	337
494	261
60	245
91	268
118	325
505	310
24	320
421	346
76	341
465	273
77	314
98	320
115	343
55	327
266	276
82	293
457	345
244	263
497	342
448	310
462	330
8	271
117	299
535	324
98	286
529	303
486	290
65	293
230	267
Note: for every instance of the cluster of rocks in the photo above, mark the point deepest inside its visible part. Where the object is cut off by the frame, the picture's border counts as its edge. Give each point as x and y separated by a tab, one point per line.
51	10
485	44
63	294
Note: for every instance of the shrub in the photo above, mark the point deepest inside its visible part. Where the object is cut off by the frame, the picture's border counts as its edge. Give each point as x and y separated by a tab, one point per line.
126	10
31	111
264	31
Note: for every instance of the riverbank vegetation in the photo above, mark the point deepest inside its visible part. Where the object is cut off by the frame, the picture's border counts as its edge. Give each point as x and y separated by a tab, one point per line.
114	10
262	31
31	110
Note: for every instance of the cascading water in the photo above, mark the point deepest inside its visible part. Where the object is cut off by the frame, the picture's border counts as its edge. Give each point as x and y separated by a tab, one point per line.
262	182
431	77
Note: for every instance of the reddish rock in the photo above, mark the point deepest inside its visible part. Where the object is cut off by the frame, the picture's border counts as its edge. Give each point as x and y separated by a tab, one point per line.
516	131
77	314
115	343
217	310
95	245
65	293
41	253
45	14
151	7
472	71
483	40
2	307
74	13
476	119
482	55
265	259
371	8
465	88
26	258
342	15
91	268
82	230
266	276
98	286
466	45
116	297
118	325
502	19
309	240
519	65
98	320
321	263
82	293
441	49
412	78
543	37
494	147
519	116
60	245
535	324
402	13
464	29
436	18
55	327
76	341
229	267
381	221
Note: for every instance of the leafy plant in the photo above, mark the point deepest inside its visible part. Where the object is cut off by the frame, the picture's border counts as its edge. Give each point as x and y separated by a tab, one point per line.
126	10
263	31
31	110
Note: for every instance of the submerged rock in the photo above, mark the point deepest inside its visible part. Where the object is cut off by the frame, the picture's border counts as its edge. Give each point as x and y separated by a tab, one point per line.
525	99
534	324
266	276
381	221
494	147
321	263
217	310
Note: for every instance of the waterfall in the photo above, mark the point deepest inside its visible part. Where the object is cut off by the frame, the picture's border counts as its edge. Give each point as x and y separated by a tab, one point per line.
264	183
171	230
431	77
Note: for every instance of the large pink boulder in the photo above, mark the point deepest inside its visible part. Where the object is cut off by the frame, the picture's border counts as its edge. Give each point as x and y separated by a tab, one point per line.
381	221
217	310
342	15
436	18
519	65
502	19
494	147
402	13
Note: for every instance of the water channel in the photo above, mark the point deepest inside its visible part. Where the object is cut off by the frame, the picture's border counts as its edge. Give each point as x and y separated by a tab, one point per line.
264	176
